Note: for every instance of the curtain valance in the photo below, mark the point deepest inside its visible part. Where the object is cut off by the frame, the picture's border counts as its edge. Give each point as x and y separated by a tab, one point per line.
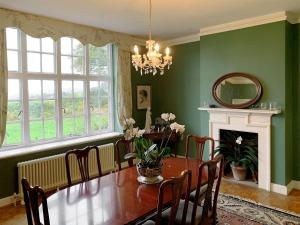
41	26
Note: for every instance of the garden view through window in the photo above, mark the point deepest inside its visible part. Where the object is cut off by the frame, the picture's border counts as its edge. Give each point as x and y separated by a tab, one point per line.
56	89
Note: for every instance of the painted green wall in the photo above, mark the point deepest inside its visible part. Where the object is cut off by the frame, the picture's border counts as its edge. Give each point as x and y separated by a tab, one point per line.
8	166
177	91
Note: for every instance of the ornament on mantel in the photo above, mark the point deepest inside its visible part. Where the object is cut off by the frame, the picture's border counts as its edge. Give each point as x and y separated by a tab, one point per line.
148	121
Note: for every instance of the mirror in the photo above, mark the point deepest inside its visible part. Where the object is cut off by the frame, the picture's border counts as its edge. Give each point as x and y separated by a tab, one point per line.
237	90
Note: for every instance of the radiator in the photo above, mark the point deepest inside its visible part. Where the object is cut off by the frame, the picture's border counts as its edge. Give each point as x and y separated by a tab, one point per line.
50	172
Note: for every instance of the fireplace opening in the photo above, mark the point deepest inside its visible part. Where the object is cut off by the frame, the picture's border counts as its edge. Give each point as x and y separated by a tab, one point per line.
240	150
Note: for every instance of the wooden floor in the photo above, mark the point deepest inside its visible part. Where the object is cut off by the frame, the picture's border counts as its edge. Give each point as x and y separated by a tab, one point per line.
12	215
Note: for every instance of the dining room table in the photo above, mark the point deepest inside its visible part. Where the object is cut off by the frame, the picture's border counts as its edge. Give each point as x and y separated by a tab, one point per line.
116	198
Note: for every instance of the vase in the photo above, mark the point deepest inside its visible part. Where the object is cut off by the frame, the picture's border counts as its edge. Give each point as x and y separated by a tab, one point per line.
239	172
149	175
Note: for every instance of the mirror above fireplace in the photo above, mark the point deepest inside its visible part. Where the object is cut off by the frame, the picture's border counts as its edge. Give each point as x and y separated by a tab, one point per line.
237	90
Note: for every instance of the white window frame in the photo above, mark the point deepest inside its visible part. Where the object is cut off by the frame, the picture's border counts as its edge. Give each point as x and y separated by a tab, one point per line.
23	76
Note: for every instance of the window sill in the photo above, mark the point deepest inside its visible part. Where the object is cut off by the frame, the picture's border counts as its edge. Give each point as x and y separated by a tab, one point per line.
7	153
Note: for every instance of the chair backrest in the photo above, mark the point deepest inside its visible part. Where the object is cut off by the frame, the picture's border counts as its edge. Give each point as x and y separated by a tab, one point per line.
214	170
82	156
176	185
31	198
200	144
127	147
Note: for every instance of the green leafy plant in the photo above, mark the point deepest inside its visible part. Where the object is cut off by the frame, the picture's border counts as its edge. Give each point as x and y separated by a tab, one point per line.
240	153
150	154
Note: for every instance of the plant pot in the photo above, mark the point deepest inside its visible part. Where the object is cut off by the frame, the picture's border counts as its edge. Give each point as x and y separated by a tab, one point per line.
149	175
239	172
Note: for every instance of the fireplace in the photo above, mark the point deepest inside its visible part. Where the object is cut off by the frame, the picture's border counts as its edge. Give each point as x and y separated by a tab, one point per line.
247	120
248	144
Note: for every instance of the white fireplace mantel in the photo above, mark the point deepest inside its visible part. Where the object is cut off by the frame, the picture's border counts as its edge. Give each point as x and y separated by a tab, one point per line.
247	120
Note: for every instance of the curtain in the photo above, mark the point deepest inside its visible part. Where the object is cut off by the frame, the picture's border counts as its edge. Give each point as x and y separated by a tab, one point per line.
3	86
124	93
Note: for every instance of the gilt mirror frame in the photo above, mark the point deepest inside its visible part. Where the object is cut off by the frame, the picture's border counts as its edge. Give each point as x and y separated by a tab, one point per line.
243	105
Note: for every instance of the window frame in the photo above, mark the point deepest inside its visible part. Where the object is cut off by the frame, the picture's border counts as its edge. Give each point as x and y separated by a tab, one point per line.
24	76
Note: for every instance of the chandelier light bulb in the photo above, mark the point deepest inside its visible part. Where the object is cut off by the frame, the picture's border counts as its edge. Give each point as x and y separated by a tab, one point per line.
136	49
156	47
167	51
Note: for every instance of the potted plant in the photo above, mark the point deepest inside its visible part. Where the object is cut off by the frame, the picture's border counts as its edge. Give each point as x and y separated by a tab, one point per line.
150	155
241	156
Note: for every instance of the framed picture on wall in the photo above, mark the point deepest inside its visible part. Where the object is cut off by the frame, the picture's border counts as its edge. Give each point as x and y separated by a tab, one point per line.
143	96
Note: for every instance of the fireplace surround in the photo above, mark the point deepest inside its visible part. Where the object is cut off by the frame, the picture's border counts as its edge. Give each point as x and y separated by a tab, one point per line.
247	120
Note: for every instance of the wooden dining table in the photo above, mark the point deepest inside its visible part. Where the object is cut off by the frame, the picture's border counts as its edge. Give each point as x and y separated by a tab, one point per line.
114	199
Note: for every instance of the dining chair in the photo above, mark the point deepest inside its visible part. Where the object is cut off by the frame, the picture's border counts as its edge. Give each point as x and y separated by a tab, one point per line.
82	156
125	146
175	187
199	144
31	199
214	170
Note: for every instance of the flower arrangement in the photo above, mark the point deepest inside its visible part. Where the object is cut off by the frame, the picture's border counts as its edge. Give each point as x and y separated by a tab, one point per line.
148	153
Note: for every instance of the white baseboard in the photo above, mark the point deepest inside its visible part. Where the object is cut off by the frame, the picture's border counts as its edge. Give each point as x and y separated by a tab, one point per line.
285	190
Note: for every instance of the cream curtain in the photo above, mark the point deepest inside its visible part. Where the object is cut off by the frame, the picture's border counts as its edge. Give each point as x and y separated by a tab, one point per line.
3	86
40	26
124	93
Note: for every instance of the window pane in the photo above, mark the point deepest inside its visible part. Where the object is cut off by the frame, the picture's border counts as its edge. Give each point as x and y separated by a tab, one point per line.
47	45
49	109
47	63
104	105
36	130
98	57
34	89
68	126
66	46
78	106
103	122
94	96
78	65
66	64
78	89
13	134
33	44
13	89
48	89
35	109
12	60
67	89
13	111
77	48
12	38
49	129
79	125
33	62
103	88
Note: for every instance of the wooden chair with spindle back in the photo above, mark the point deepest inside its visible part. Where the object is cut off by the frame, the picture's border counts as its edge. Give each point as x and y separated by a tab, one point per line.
82	156
127	147
200	144
175	185
31	199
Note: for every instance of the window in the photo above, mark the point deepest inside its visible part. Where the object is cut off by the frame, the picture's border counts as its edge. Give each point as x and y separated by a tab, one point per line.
56	90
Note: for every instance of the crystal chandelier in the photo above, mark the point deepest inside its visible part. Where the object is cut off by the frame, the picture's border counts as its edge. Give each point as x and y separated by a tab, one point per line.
153	60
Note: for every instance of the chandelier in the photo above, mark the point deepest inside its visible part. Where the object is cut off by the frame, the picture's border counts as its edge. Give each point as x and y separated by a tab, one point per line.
153	60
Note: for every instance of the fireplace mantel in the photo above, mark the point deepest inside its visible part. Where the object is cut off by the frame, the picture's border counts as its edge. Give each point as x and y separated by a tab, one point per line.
247	120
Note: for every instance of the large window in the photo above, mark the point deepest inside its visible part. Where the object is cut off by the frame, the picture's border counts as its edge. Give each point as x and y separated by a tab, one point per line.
56	90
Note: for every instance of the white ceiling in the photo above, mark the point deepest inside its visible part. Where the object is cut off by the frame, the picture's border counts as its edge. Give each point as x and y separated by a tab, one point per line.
171	18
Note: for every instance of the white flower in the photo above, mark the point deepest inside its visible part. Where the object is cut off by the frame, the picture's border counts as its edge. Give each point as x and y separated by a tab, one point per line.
140	133
179	128
165	116
134	132
239	140
172	116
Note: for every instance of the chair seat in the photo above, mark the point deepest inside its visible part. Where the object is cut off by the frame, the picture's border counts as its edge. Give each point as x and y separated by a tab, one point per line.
149	222
166	214
201	194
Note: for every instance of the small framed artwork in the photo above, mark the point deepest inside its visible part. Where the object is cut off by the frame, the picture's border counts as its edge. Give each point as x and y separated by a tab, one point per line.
143	96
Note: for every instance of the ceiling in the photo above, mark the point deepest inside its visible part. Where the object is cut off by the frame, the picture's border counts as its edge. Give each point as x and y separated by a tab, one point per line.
171	18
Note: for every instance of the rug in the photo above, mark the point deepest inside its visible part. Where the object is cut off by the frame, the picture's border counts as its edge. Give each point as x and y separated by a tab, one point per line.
233	210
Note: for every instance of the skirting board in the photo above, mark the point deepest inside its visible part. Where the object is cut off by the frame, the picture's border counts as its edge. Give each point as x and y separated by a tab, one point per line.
285	190
8	200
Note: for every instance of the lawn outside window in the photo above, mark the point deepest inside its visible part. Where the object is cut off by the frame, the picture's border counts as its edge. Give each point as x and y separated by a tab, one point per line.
56	89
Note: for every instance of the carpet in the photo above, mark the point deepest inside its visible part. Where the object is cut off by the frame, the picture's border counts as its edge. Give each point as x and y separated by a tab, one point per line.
233	210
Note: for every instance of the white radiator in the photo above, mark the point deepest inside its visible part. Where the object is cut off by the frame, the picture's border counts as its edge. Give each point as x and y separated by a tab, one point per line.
50	172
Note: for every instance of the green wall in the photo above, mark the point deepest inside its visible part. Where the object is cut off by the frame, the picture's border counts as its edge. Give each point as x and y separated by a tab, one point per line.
8	166
265	51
